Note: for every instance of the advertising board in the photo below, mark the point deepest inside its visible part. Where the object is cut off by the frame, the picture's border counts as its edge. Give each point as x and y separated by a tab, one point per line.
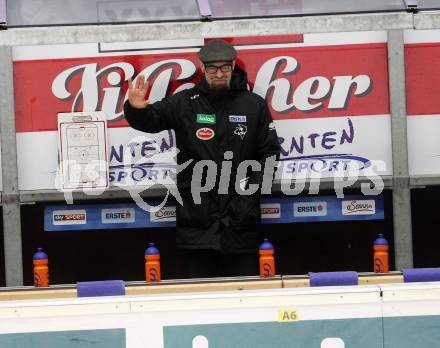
273	211
422	66
328	94
373	316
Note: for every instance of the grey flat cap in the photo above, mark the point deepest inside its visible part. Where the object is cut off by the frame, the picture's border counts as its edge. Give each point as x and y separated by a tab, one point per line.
217	51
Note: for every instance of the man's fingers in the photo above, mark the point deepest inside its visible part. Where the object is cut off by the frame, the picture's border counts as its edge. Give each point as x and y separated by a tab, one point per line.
136	84
145	87
140	81
137	92
140	84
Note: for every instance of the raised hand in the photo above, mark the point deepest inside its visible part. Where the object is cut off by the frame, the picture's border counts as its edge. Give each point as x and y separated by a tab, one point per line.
137	92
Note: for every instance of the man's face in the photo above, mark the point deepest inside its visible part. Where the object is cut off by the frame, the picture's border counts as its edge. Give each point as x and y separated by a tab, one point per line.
218	74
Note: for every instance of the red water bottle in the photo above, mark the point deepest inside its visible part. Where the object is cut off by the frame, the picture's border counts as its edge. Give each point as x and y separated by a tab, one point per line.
152	264
381	258
41	269
267	261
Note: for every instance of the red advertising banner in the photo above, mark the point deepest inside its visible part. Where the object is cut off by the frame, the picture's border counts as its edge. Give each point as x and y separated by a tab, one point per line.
328	94
298	82
422	62
422	78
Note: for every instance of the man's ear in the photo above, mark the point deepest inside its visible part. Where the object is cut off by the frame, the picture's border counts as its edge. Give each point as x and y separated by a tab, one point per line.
202	67
233	64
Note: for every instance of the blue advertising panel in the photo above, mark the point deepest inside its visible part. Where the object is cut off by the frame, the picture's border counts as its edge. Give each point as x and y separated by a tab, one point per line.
273	210
105	216
322	208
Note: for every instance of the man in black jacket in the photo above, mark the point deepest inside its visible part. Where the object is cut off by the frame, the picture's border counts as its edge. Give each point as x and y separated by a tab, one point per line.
228	132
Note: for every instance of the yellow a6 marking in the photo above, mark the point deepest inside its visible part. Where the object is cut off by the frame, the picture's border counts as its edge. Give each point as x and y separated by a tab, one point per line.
287	315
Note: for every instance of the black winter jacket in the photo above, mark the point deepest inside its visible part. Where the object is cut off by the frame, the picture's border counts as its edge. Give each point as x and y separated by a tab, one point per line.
242	124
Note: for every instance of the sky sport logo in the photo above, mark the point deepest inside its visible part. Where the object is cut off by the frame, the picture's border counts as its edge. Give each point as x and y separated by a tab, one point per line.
117	216
359	207
164	214
270	211
305	209
69	217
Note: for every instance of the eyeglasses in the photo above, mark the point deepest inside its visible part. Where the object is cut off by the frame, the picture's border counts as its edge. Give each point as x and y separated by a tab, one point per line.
212	69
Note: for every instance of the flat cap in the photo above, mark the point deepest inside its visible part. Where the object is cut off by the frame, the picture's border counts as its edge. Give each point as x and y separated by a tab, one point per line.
217	51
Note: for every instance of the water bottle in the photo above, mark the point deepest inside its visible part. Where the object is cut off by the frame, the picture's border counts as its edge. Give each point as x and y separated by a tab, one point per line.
41	269
152	264
267	261
381	258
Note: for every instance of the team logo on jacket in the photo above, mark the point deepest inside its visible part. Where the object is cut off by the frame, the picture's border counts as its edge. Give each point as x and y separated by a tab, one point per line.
205	133
240	130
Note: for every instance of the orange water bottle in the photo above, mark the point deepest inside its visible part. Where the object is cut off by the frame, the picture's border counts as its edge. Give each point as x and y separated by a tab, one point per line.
41	269
381	258
267	261
152	264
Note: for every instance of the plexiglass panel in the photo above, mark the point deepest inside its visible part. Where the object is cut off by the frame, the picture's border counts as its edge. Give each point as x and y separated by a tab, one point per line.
59	12
429	4
257	8
2	11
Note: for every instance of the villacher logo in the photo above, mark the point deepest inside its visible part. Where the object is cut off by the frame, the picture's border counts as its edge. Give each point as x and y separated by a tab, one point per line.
359	207
69	217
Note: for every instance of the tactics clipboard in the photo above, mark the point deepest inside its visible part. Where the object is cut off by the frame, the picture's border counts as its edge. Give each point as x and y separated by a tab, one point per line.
82	145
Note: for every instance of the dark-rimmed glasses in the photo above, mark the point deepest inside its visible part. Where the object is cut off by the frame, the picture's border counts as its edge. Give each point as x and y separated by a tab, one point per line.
212	69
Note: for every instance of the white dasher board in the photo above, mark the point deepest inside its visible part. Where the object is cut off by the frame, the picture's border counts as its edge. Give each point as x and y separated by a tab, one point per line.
83	151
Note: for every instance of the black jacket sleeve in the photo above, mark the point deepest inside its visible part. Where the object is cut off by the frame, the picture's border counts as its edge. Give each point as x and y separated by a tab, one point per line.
155	117
267	145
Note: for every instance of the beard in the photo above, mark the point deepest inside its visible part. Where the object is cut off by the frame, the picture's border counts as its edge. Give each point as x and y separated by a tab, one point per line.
218	91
